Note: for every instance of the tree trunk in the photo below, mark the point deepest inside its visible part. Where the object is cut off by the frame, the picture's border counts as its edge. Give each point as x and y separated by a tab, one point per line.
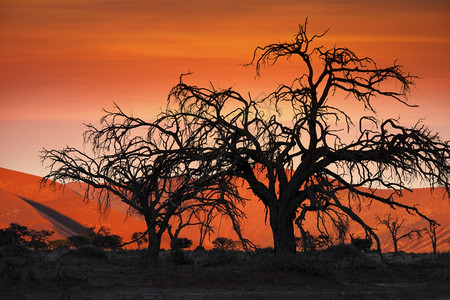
299	222
282	225
395	245
154	243
434	243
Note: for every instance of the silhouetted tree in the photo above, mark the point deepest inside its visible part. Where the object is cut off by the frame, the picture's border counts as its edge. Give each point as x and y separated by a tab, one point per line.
20	234
295	156
14	234
139	238
431	232
39	239
224	243
182	221
103	238
395	225
159	173
205	218
181	243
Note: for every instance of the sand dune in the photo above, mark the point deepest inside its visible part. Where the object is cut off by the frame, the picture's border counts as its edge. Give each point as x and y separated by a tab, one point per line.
23	200
64	210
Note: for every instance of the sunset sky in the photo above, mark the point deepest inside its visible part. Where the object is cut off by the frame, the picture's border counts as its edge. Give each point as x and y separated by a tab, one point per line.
62	61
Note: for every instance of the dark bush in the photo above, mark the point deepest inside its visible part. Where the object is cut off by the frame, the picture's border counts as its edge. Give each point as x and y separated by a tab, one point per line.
101	238
19	234
224	243
181	243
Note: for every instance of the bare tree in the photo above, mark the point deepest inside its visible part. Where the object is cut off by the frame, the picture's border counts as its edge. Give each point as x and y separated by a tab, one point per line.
300	161
396	226
205	217
431	232
159	176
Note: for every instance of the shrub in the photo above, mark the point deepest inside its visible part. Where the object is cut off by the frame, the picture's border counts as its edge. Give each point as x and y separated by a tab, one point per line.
19	234
182	243
224	243
101	238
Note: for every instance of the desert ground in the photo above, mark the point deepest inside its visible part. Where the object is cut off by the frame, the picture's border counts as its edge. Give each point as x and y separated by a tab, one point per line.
337	273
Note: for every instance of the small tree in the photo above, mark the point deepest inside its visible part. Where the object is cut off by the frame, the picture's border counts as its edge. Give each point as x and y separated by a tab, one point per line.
14	234
39	239
101	238
139	238
205	218
19	234
431	232
182	243
224	243
395	226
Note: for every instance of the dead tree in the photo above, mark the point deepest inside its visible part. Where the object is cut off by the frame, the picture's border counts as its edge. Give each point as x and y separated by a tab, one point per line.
294	156
431	232
396	225
160	175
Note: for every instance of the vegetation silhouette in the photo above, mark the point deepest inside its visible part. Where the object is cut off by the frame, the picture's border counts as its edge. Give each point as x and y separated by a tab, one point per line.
396	228
17	234
160	175
224	243
303	161
298	158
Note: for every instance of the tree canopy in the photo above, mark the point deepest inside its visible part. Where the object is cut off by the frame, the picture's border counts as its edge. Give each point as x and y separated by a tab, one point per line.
298	160
306	157
159	174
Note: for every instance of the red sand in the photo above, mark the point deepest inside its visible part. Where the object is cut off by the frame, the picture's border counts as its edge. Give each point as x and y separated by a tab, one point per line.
69	203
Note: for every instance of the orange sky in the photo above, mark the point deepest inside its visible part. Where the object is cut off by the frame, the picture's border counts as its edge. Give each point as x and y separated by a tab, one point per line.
61	62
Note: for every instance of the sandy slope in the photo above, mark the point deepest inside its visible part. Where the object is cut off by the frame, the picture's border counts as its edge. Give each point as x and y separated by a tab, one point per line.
433	204
63	206
23	200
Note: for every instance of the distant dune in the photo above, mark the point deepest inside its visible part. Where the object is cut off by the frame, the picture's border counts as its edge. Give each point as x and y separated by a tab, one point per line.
64	210
60	209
